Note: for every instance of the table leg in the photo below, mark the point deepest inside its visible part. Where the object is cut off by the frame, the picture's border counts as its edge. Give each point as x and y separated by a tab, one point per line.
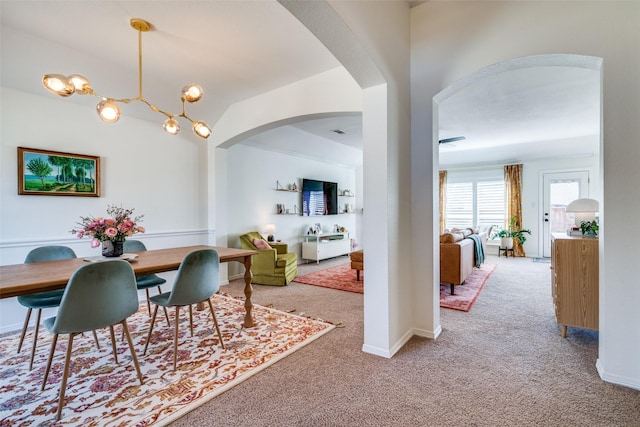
248	290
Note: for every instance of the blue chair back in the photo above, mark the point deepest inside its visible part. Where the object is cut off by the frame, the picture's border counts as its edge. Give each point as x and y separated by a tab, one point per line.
134	246
97	295
49	253
198	278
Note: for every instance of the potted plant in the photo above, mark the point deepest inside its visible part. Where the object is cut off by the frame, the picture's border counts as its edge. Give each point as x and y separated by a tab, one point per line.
512	232
589	228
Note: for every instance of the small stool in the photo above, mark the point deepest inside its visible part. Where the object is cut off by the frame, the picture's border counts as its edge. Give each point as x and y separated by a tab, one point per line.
506	251
357	262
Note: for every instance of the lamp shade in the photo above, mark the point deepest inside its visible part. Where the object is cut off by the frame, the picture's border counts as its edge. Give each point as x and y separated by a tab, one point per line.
201	129
81	84
584	210
171	126
583	205
58	84
192	92
108	111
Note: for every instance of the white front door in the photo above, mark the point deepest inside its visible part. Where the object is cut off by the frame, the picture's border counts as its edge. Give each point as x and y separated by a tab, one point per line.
559	189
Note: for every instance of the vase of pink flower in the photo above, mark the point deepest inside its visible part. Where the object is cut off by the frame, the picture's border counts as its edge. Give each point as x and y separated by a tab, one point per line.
109	232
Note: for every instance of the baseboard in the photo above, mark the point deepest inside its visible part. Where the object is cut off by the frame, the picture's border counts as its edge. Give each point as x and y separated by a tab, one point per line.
376	351
428	334
617	379
390	352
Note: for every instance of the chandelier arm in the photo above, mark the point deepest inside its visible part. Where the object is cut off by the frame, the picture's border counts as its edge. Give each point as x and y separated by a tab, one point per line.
122	100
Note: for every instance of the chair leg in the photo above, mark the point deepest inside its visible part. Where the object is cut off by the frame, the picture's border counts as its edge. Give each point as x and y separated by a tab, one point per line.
215	322
113	343
65	375
452	286
148	303
35	339
166	313
191	319
53	349
95	337
153	320
133	351
24	328
175	339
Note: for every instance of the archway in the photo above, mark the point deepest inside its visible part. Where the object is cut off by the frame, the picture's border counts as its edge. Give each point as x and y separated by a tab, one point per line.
579	65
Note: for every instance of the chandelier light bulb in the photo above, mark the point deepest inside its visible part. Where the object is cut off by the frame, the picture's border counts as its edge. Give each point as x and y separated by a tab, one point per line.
58	84
81	84
201	129
171	126
108	111
192	92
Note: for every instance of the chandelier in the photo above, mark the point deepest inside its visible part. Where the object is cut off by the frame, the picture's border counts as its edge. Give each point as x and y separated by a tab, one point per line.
108	109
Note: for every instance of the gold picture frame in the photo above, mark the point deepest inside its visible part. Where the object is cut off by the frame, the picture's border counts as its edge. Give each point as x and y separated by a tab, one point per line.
54	173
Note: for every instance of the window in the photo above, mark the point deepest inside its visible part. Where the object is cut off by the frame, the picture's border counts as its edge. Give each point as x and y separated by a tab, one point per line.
475	199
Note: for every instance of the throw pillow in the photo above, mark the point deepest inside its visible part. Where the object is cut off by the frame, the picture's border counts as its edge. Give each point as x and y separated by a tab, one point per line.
261	244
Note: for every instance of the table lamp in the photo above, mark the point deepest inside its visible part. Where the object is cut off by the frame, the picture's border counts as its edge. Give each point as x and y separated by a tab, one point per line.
584	210
269	229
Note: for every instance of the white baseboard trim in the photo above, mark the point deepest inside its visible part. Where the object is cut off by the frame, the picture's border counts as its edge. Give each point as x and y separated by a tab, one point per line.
428	334
390	352
616	379
376	351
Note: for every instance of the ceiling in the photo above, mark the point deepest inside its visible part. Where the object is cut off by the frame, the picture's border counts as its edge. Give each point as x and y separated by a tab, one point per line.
240	49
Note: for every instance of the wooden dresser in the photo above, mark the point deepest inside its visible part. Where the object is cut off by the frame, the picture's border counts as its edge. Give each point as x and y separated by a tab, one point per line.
574	281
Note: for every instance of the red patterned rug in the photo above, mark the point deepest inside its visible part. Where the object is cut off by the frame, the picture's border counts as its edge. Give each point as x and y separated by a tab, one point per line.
342	277
102	393
467	294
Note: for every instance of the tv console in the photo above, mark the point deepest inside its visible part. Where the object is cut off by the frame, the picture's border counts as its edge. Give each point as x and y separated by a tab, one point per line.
322	246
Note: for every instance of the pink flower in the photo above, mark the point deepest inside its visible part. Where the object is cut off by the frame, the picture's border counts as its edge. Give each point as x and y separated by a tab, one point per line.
118	225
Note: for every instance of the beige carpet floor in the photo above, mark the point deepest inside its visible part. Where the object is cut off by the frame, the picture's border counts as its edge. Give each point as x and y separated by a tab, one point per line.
501	364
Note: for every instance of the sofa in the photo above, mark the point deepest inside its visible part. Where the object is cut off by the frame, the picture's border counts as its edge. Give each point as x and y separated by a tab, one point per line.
274	264
458	255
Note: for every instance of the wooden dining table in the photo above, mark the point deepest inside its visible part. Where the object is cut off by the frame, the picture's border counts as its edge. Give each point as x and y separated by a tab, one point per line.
24	279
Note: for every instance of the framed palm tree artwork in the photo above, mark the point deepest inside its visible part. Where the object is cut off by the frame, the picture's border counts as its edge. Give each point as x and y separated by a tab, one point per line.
53	173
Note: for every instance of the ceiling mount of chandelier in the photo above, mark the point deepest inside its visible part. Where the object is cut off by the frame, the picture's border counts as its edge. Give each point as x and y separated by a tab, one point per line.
108	109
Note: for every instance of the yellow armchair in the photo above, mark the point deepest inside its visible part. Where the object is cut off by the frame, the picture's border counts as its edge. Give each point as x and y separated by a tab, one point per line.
273	266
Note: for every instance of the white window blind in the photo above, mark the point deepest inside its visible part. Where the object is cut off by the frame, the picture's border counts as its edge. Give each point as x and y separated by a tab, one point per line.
474	200
459	206
490	203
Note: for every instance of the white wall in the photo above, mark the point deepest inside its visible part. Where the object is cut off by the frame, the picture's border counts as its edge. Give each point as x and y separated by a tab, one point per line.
142	167
389	315
453	39
252	176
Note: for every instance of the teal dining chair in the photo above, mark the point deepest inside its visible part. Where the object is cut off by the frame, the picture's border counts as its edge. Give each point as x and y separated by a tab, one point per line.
148	281
98	295
196	281
41	300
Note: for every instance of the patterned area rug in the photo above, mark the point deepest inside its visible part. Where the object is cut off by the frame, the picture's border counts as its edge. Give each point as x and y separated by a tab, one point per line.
101	393
342	277
466	294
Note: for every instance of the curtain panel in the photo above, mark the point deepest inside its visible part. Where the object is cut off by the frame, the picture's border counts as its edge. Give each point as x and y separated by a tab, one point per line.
513	190
443	199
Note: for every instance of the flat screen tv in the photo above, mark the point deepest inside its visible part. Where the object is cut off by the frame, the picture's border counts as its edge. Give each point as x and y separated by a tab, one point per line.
319	197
